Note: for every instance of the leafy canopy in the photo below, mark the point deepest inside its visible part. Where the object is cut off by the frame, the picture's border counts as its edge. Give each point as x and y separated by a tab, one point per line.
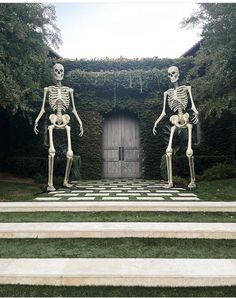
215	65
26	31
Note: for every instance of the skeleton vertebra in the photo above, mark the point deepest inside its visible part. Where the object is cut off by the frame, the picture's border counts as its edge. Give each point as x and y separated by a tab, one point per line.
59	100
178	98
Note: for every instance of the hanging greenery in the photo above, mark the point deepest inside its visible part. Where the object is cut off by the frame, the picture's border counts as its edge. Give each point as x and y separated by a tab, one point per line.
136	79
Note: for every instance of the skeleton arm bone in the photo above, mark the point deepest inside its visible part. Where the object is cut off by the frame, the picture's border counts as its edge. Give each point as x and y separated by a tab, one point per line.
75	113
42	111
163	113
193	108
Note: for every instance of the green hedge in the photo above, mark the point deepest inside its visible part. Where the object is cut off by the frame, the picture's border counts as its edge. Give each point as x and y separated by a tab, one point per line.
32	167
201	163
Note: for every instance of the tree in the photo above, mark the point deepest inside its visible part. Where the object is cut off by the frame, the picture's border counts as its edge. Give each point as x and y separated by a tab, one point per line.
214	73
26	32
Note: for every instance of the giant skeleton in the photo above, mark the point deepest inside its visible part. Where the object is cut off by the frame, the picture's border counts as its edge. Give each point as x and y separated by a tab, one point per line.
178	98
59	100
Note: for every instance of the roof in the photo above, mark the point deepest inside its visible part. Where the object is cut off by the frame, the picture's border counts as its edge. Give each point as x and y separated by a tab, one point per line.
194	49
54	54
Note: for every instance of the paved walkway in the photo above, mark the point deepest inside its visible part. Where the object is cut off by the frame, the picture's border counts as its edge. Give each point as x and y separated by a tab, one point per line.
121	190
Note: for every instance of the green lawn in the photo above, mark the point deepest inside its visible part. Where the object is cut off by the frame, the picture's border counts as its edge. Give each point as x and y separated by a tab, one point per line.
218	190
118	216
117	248
13	191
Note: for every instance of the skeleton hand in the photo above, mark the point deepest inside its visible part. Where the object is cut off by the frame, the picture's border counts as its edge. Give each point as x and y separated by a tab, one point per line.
154	129
81	131
195	119
35	128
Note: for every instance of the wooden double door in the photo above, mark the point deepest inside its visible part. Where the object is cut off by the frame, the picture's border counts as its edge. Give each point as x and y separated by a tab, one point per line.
121	147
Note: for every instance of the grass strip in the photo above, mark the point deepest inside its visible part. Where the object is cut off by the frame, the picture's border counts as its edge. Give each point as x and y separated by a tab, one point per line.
117	248
218	190
53	291
13	191
118	216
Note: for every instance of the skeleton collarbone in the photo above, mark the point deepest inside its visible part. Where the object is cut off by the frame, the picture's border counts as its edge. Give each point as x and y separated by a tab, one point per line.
59	101
177	101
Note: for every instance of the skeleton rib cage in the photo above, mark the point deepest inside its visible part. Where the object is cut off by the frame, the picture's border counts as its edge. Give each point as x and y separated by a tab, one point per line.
178	99
59	99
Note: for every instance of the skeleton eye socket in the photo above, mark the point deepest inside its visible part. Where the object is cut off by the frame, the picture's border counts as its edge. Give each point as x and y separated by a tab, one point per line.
61	70
173	72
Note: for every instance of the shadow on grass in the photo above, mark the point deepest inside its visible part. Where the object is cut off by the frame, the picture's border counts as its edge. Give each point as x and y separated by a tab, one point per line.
53	291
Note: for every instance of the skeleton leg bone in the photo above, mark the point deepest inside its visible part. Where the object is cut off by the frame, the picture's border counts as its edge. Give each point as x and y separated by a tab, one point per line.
169	152
51	154
189	154
69	156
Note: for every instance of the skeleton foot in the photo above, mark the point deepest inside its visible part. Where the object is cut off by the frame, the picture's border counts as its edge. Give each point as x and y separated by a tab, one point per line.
169	185
67	184
50	188
192	185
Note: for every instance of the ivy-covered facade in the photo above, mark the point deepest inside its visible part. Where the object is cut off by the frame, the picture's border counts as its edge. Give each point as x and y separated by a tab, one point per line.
105	87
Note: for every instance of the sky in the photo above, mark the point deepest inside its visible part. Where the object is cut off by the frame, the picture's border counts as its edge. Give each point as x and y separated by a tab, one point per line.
131	30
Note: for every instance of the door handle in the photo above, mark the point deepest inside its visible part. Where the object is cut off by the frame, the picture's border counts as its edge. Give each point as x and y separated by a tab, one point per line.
120	156
123	153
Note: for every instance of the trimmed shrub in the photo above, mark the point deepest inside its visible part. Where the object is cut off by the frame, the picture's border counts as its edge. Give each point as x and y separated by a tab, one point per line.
180	182
219	171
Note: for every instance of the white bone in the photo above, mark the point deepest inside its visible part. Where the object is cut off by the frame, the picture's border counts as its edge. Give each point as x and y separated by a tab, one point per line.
59	101
58	72
178	99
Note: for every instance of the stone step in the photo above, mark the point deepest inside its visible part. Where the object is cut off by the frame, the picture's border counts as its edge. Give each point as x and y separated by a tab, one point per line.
102	206
119	272
118	230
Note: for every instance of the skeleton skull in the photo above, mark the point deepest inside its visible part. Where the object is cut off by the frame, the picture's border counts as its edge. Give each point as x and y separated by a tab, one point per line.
173	74
58	72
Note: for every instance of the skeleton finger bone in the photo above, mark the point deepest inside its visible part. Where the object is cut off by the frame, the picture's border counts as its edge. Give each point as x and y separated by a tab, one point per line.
154	130
195	119
36	131
81	131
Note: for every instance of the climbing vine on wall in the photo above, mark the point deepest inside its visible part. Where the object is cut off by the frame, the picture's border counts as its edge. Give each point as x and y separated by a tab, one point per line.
139	91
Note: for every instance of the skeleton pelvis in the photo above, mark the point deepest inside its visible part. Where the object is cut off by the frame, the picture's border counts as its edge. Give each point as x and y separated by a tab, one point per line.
180	120
59	121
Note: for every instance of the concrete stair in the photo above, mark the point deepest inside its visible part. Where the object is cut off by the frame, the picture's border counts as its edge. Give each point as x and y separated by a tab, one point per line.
118	230
119	272
108	196
102	206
